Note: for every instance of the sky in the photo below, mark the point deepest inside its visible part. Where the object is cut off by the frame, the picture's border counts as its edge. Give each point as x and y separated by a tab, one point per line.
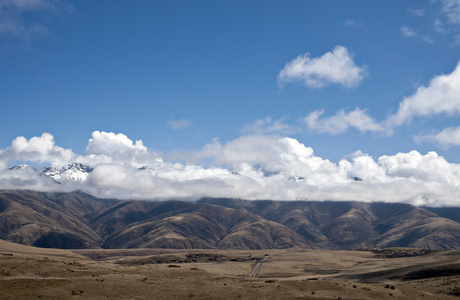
249	99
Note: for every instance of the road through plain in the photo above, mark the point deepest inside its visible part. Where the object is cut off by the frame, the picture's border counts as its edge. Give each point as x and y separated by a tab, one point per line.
257	266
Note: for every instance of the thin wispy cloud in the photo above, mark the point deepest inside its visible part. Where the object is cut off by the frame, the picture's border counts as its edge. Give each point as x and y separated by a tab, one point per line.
451	9
353	23
456	42
335	67
446	16
267	126
408	32
28	19
418	12
341	122
179	124
445	138
439	26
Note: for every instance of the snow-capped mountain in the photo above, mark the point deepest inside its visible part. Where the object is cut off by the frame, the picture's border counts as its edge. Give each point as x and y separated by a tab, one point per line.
23	167
74	172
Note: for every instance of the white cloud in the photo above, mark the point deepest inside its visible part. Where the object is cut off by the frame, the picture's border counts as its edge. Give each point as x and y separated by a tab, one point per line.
456	41
111	148
3	159
418	12
341	122
439	26
430	169
249	167
336	67
407	32
267	126
39	149
109	143
442	95
29	179
271	159
364	167
353	23
180	124
446	137
422	179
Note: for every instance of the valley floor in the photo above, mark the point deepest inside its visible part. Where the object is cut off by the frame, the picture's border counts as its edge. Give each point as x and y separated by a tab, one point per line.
36	273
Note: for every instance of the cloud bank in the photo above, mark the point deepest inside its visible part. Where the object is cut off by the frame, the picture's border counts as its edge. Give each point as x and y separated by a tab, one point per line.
254	166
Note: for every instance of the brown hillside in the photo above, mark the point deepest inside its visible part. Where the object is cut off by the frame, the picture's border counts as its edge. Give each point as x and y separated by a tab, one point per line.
203	226
341	225
77	220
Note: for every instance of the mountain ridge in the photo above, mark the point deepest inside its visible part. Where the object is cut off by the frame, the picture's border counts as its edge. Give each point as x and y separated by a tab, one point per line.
78	220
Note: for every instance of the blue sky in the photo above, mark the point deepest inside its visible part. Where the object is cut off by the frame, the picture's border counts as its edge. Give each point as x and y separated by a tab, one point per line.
181	75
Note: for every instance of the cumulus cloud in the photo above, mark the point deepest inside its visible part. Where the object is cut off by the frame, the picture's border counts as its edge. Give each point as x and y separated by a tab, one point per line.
441	96
249	167
273	155
364	167
342	121
39	149
180	124
428	179
111	148
335	67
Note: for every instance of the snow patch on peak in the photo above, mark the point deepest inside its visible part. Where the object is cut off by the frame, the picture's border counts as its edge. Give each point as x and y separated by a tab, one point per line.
72	172
22	167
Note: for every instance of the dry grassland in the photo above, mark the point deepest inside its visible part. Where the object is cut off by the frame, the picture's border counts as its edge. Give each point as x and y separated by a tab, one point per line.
34	273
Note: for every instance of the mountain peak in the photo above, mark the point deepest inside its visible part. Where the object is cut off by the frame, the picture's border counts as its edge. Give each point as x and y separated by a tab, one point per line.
22	167
74	172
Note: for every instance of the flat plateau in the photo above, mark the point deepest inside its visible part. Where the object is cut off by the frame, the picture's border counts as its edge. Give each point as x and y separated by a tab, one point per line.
38	273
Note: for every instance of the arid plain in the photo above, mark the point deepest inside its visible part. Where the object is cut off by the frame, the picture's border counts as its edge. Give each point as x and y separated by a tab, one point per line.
37	273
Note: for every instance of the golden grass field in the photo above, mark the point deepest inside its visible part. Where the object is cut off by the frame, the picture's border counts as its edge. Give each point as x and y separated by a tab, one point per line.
36	273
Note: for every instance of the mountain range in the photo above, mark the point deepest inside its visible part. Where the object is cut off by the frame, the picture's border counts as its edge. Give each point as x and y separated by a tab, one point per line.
79	172
79	220
71	172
